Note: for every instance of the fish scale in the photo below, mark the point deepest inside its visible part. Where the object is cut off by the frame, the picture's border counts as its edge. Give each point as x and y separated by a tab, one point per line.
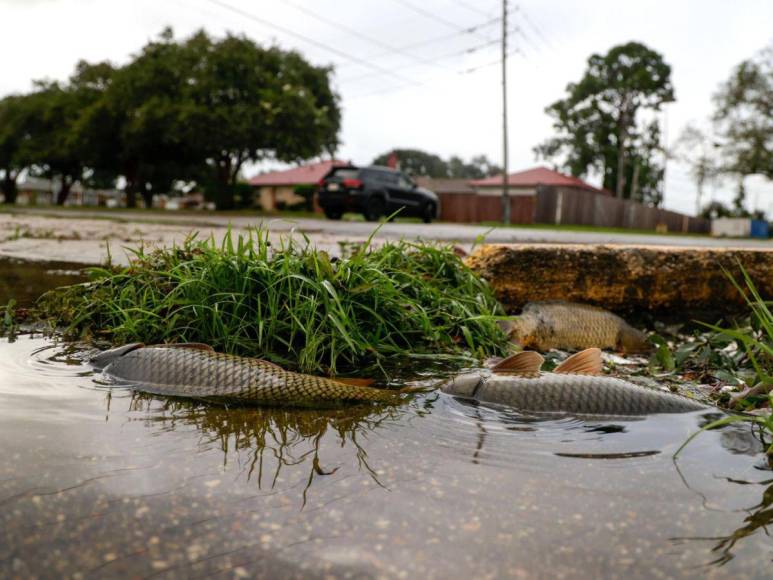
205	374
546	325
566	393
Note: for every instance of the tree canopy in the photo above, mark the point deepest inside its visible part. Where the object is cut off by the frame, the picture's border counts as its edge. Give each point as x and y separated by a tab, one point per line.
606	123
418	162
192	109
743	117
739	141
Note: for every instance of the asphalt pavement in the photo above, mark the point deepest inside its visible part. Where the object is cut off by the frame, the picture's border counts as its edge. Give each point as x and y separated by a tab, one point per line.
454	232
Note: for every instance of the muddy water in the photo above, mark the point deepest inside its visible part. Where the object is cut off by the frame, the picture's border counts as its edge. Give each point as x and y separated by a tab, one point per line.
25	281
98	482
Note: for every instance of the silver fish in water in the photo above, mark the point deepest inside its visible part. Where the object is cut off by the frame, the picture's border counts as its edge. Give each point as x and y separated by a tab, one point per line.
575	387
197	371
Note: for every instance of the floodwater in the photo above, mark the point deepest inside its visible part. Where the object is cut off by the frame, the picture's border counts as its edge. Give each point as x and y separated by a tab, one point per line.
24	281
99	482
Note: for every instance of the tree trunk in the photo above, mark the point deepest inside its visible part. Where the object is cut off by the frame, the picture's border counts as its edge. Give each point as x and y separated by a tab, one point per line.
224	195
132	183
699	197
8	187
635	179
621	132
64	192
740	196
147	197
131	196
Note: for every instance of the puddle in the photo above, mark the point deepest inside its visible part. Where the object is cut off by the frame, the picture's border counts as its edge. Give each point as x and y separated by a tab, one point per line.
100	482
104	482
25	281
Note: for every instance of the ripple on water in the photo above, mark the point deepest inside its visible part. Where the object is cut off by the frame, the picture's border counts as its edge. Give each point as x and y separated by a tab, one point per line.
437	486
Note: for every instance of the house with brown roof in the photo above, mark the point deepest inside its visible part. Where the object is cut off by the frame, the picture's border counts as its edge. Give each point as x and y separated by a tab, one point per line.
480	200
542	195
529	181
278	189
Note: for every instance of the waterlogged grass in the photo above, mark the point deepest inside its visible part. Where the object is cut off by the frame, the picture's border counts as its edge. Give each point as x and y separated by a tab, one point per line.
755	352
292	304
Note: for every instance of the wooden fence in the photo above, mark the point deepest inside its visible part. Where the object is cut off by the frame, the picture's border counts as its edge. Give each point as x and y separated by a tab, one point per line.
476	208
558	206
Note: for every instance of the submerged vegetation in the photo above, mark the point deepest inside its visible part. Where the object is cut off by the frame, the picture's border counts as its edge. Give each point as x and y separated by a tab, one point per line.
291	304
748	353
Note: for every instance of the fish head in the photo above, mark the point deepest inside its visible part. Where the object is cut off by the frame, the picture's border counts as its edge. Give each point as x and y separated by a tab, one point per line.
464	385
631	340
103	359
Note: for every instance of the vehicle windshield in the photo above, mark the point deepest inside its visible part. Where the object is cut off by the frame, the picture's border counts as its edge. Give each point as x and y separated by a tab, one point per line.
406	182
346	173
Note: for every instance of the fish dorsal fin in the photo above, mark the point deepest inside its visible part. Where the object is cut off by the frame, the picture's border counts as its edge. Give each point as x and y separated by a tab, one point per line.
191	345
585	362
526	362
354	382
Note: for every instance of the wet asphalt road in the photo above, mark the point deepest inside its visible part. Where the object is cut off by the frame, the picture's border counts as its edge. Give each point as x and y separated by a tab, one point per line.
463	233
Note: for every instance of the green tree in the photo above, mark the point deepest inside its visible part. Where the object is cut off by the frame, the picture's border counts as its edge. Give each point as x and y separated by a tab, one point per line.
244	103
58	146
603	124
416	162
477	168
716	209
743	120
695	147
143	109
17	127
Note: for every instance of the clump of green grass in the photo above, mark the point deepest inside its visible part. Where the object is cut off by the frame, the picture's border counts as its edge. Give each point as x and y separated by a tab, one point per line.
292	304
756	340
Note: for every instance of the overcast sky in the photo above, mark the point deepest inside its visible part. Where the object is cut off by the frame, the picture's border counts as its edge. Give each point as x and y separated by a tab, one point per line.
420	96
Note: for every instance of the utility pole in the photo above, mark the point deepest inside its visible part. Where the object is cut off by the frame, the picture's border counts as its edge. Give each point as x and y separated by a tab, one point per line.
505	184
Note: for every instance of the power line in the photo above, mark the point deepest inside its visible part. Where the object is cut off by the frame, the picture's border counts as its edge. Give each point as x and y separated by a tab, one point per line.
474	69
456	53
430	15
354	32
435	40
519	30
530	23
471	7
514	52
309	40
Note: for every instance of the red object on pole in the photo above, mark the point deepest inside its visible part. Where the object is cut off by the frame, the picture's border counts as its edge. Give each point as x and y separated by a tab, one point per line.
392	160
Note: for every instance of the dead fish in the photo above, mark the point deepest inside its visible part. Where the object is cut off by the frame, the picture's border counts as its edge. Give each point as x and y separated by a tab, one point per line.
575	387
564	325
197	371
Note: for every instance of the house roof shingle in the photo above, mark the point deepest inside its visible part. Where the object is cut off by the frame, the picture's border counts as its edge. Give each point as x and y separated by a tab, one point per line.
537	176
304	174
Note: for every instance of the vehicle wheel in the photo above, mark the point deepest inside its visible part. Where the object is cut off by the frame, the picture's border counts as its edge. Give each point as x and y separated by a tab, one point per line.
429	212
333	214
374	209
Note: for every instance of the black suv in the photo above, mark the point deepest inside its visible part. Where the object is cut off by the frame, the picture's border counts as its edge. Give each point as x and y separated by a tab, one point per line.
375	192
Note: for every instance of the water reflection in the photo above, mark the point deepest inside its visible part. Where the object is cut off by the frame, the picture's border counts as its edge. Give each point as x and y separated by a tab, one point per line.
759	517
24	281
736	439
275	439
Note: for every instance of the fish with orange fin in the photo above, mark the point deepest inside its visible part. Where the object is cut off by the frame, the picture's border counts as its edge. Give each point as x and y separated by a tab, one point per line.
566	325
196	371
575	387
